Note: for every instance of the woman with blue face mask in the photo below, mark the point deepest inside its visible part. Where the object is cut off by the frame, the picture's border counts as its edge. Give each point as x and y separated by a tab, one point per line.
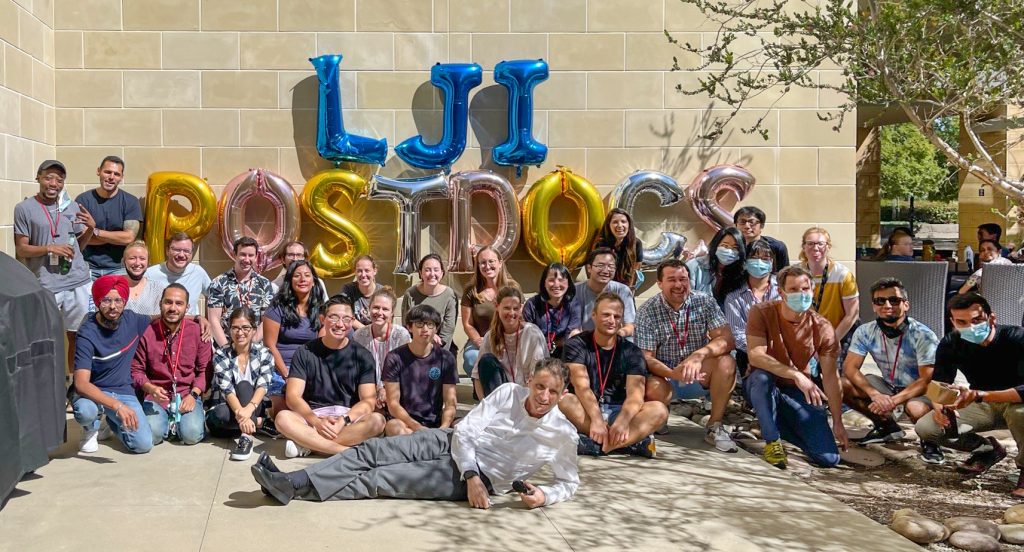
721	271
760	287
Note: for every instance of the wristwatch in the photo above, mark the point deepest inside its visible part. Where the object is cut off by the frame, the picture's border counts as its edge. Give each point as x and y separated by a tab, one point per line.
469	474
195	394
348	421
980	397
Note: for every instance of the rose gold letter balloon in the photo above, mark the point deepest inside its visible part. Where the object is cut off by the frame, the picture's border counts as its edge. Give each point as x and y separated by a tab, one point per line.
466	185
540	242
287	218
316	200
161	223
709	185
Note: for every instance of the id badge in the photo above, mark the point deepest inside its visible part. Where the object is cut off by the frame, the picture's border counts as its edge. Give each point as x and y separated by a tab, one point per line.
606	410
54	259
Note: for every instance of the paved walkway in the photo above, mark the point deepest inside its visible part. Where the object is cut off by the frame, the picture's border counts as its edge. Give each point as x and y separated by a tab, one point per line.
193	498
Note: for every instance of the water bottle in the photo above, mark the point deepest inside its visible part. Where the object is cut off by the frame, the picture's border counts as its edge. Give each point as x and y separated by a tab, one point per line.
64	264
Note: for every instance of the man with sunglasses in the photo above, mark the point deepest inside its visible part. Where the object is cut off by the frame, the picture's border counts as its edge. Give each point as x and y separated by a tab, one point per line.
904	350
331	390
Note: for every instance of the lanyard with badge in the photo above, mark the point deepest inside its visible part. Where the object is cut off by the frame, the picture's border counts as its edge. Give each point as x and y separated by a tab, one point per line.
378	358
552	328
686	325
602	376
173	361
54	228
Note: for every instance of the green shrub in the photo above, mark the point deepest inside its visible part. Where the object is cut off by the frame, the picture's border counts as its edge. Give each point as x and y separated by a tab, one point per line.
932	212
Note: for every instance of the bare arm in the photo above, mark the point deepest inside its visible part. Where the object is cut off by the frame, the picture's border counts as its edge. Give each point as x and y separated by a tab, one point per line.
851	369
213	314
393	390
917	387
450	399
757	351
634	399
293	390
117	237
467	325
25	250
655	366
627	330
271	330
367	401
852	308
581	385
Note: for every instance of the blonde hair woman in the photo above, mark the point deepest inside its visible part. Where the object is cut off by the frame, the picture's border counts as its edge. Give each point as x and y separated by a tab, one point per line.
835	289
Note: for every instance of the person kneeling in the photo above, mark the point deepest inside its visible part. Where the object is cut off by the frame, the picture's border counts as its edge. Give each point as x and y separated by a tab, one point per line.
608	375
331	390
512	434
420	378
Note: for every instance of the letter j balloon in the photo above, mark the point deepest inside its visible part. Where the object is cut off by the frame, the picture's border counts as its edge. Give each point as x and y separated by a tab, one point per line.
455	80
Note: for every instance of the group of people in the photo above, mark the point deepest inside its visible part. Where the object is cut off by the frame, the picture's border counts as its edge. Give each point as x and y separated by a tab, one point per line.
578	368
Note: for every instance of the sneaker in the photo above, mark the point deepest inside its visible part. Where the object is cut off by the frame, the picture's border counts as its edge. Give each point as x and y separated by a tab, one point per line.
586	447
775	454
891	431
663	430
983	458
645	448
105	431
932	453
268	429
88	443
243	448
291	450
719	437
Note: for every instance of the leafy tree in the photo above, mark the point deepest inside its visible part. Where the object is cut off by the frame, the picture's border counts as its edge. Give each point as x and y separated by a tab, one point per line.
932	59
908	163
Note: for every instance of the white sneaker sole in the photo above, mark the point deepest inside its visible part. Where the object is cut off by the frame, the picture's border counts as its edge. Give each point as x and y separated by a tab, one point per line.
240	457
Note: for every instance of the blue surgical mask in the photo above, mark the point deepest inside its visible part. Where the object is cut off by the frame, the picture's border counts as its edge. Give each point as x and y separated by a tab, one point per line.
726	256
758	267
799	301
976	333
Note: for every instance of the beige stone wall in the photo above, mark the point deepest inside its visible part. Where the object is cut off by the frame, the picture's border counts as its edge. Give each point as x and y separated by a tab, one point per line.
27	115
213	87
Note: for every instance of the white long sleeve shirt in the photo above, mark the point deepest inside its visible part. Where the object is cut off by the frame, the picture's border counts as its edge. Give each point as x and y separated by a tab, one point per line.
499	439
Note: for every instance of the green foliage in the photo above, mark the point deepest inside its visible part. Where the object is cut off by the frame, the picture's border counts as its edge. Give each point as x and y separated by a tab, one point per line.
909	167
932	212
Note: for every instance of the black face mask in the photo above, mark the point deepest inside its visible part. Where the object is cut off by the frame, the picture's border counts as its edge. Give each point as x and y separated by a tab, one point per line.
890	331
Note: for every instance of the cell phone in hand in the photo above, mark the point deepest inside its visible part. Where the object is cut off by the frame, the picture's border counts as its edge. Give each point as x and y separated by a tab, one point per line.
520	487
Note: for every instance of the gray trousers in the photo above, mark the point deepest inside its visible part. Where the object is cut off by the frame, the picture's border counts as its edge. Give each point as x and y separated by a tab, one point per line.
414	466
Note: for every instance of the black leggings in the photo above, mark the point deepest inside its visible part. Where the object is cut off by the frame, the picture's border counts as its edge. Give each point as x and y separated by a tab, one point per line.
491	372
221	420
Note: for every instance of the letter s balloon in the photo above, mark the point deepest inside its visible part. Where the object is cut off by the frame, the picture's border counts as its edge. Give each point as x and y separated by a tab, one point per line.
161	223
316	201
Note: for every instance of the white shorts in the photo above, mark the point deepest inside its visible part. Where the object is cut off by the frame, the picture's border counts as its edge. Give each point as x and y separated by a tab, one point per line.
74	305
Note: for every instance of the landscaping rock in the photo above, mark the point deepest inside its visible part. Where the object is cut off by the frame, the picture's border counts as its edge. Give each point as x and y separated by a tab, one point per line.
975	524
918	528
972	541
1013	533
683	410
1014	514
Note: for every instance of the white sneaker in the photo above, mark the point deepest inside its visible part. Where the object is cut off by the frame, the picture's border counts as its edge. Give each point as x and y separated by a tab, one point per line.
88	442
719	437
105	431
291	450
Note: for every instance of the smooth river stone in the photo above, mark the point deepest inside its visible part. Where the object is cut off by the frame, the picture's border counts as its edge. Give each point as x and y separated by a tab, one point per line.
976	524
919	529
1013	533
1014	514
973	541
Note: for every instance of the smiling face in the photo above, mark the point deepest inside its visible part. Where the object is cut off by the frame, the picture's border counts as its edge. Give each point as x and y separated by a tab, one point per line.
556	285
179	254
245	258
602	269
337	320
173	305
366	273
619	226
381	310
51	183
510	310
431	272
302	280
749	226
136	260
887	311
110	175
674	284
488	265
241	332
545	392
988	252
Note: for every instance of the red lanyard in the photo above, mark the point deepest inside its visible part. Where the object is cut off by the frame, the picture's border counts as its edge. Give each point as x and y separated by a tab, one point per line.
558	320
602	377
885	349
54	226
175	361
510	360
675	330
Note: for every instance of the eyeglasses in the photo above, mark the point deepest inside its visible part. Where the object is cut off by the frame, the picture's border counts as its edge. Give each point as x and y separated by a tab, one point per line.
295	256
107	301
334	319
182	251
489	262
748	222
893	300
241	329
421	325
603	266
816	245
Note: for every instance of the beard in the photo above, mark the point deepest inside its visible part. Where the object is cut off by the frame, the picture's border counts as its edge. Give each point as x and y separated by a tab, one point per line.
109	323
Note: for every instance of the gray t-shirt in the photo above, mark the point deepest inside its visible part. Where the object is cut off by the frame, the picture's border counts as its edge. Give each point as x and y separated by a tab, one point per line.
587	298
33	219
194	278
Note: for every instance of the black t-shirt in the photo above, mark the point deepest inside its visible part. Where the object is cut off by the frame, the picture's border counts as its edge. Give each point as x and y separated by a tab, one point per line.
332	376
360	302
110	214
628	361
997	366
421	381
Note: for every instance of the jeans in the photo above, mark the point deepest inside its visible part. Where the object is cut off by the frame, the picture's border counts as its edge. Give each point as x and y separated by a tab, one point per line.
191	428
783	413
469	355
87	413
492	374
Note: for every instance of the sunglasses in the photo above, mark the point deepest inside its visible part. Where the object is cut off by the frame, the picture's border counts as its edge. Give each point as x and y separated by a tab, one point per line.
893	300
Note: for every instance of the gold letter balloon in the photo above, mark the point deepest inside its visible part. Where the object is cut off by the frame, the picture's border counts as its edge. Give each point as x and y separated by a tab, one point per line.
316	201
161	222
541	243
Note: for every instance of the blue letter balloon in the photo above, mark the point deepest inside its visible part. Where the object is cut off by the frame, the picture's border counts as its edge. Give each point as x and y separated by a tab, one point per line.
332	142
520	77
456	80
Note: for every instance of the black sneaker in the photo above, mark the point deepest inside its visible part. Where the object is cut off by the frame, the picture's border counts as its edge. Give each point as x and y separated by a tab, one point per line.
588	447
882	434
932	453
645	448
243	448
268	429
983	458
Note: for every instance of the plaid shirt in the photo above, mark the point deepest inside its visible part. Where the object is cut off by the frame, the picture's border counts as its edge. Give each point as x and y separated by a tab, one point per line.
698	315
226	374
228	293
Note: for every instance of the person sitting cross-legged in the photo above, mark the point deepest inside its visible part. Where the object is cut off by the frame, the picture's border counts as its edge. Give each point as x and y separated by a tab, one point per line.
331	390
420	378
608	373
507	438
904	350
789	344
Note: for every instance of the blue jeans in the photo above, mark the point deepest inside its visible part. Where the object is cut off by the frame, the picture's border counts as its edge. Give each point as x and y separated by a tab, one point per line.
191	428
469	355
87	413
783	412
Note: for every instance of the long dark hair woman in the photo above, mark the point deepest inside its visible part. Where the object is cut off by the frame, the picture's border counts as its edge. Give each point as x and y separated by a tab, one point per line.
619	234
721	270
554	308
